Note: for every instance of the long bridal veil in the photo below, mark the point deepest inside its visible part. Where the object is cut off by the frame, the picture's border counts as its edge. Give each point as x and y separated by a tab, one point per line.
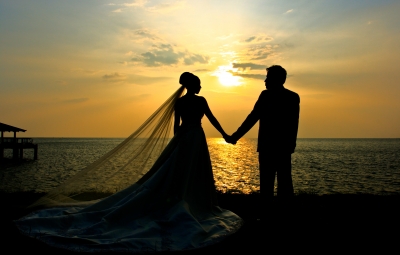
119	168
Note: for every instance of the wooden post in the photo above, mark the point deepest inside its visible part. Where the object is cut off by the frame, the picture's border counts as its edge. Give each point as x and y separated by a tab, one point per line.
2	145
15	146
35	152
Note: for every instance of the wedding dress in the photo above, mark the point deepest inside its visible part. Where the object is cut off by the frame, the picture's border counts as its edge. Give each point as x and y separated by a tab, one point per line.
171	207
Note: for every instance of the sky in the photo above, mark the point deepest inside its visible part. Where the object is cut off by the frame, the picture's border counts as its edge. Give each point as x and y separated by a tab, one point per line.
99	68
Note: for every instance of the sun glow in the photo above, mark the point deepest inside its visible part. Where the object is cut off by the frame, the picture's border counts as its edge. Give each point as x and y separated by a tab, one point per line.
226	78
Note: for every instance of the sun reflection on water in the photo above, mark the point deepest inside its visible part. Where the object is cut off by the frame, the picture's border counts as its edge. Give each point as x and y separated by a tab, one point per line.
235	167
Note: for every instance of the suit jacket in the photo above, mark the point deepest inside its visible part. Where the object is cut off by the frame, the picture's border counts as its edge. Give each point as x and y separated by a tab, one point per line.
278	111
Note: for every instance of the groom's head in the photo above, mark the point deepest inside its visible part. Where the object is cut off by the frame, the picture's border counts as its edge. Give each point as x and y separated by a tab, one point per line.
276	77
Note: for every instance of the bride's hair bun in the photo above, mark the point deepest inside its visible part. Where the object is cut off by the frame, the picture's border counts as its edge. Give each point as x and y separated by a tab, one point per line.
186	78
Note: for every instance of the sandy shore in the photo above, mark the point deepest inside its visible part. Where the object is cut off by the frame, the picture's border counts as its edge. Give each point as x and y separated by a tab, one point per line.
308	223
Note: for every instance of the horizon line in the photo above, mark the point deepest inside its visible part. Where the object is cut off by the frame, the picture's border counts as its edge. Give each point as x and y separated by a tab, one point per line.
110	137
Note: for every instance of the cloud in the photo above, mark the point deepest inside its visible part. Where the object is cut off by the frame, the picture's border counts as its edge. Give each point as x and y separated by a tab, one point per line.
258	47
250	39
260	52
202	70
140	34
194	58
114	77
159	8
163	54
249	76
288	11
76	100
251	66
166	54
166	7
258	39
135	3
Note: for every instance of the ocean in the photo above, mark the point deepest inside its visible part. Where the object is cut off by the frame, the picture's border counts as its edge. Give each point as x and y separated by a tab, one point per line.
319	166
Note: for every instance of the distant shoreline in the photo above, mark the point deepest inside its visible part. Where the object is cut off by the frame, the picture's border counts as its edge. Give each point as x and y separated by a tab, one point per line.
301	138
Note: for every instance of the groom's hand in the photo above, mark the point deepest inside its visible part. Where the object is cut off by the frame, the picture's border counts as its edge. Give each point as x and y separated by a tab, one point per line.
229	139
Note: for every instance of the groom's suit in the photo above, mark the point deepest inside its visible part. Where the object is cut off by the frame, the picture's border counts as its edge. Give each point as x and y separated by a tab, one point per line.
278	113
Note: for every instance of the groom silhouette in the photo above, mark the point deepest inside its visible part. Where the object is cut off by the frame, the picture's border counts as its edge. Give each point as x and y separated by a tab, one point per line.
278	109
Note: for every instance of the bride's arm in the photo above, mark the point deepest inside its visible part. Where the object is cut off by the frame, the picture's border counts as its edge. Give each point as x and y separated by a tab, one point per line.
213	120
177	118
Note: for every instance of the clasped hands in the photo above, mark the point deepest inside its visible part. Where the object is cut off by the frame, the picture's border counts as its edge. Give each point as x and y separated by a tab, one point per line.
229	139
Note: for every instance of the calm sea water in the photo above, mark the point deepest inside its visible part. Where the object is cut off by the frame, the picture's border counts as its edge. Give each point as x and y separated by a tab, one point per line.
321	166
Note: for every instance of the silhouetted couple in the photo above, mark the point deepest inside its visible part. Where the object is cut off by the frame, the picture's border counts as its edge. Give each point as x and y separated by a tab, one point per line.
172	205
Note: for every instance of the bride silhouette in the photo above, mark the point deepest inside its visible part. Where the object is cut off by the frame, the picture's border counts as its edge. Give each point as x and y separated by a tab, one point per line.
170	207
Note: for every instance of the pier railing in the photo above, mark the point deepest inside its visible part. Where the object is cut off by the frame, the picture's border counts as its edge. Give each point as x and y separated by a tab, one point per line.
9	140
17	145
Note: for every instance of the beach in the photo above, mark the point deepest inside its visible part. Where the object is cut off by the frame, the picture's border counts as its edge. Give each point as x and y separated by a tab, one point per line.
309	223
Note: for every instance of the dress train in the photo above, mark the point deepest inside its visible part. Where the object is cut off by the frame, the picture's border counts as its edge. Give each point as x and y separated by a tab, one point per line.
172	207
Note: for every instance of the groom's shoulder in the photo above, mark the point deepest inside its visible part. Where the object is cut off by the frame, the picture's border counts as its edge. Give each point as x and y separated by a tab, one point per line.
264	93
292	94
285	94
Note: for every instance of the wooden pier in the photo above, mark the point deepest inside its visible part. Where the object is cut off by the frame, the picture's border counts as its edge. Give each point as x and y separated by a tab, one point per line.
16	144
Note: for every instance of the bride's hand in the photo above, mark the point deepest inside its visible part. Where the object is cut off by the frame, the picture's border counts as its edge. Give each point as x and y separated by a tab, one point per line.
229	139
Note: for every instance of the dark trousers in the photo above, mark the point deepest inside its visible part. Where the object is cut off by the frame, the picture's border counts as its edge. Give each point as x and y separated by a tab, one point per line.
279	165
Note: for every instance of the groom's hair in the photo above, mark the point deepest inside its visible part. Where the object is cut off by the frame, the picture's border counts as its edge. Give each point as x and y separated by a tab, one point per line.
277	73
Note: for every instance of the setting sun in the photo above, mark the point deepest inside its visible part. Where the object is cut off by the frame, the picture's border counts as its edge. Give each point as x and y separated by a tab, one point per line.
226	78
